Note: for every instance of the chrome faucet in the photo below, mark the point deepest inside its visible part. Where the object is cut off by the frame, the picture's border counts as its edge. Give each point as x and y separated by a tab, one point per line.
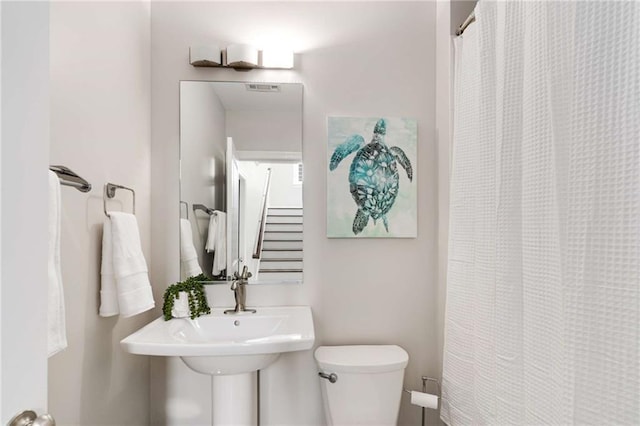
237	286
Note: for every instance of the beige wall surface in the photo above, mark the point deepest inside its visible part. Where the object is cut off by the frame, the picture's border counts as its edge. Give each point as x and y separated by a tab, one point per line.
354	59
202	156
100	128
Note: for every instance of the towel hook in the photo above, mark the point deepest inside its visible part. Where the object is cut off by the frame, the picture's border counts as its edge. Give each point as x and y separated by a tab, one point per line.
110	192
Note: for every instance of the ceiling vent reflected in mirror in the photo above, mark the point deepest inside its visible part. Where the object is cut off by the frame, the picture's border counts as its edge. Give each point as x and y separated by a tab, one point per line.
263	87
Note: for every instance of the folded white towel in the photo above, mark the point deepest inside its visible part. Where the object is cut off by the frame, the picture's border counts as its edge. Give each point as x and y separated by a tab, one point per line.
125	284
210	245
56	331
188	254
217	241
108	289
220	258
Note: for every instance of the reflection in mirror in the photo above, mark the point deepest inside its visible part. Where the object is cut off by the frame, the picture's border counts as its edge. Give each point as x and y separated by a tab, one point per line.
241	180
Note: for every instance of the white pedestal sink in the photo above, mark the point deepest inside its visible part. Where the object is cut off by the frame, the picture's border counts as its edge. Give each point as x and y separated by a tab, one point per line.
229	347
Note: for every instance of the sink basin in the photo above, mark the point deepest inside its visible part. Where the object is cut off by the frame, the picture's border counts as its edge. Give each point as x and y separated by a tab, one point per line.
220	344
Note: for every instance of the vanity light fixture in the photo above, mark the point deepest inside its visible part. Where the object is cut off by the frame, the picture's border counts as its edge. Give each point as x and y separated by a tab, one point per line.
205	56
240	57
277	58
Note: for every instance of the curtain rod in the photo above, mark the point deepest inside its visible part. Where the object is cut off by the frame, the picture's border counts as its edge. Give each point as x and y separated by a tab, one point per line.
471	18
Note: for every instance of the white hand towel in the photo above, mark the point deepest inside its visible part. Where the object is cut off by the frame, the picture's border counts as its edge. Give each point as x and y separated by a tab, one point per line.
108	289
188	254
56	331
129	268
220	244
210	246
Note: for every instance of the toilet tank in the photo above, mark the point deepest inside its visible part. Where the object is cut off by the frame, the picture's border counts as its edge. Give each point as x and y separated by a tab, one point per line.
369	385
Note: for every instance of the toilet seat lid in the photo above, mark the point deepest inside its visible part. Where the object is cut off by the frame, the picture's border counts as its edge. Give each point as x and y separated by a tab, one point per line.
361	358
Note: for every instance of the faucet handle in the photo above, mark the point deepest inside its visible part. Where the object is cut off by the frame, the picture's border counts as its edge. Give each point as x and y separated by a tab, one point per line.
245	273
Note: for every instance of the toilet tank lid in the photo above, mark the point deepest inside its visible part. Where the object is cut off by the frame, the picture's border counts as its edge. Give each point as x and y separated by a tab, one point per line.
362	358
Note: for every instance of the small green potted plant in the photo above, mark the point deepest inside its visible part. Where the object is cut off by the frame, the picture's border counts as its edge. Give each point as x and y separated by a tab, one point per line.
193	290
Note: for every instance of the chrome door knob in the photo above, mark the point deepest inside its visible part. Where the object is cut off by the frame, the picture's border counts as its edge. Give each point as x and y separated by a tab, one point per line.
30	418
44	420
25	418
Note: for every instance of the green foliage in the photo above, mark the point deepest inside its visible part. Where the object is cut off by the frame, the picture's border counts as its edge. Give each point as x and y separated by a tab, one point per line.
197	300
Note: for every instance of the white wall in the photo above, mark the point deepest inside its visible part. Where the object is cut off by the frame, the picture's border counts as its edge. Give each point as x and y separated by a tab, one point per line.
284	193
100	128
24	195
355	59
202	150
265	130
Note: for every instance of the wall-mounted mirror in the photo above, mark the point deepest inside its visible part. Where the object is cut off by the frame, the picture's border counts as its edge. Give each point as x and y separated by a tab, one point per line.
241	180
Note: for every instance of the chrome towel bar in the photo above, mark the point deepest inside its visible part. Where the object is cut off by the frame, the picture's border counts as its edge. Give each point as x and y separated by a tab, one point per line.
204	208
69	178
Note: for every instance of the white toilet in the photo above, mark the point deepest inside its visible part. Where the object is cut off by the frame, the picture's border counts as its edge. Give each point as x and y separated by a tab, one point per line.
368	386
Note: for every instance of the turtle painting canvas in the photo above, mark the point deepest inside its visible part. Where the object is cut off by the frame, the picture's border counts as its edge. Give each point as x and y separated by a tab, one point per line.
371	184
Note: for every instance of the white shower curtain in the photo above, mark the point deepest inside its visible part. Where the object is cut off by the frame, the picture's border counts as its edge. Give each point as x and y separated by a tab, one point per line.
543	295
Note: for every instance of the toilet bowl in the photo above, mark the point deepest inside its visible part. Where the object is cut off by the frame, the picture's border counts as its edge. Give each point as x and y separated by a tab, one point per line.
367	384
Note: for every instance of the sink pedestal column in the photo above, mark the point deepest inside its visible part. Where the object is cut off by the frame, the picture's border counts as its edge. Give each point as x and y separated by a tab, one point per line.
233	400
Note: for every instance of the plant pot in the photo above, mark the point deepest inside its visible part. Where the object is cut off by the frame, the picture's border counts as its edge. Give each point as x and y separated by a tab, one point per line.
181	306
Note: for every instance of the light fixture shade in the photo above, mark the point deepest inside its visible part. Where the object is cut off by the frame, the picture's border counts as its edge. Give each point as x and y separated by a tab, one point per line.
277	58
242	56
205	56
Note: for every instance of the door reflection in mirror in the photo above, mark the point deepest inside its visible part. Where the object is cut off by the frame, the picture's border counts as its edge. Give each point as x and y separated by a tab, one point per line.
241	155
272	220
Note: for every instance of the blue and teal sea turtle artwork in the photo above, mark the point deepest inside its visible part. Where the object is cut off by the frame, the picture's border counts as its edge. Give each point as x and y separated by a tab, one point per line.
374	181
